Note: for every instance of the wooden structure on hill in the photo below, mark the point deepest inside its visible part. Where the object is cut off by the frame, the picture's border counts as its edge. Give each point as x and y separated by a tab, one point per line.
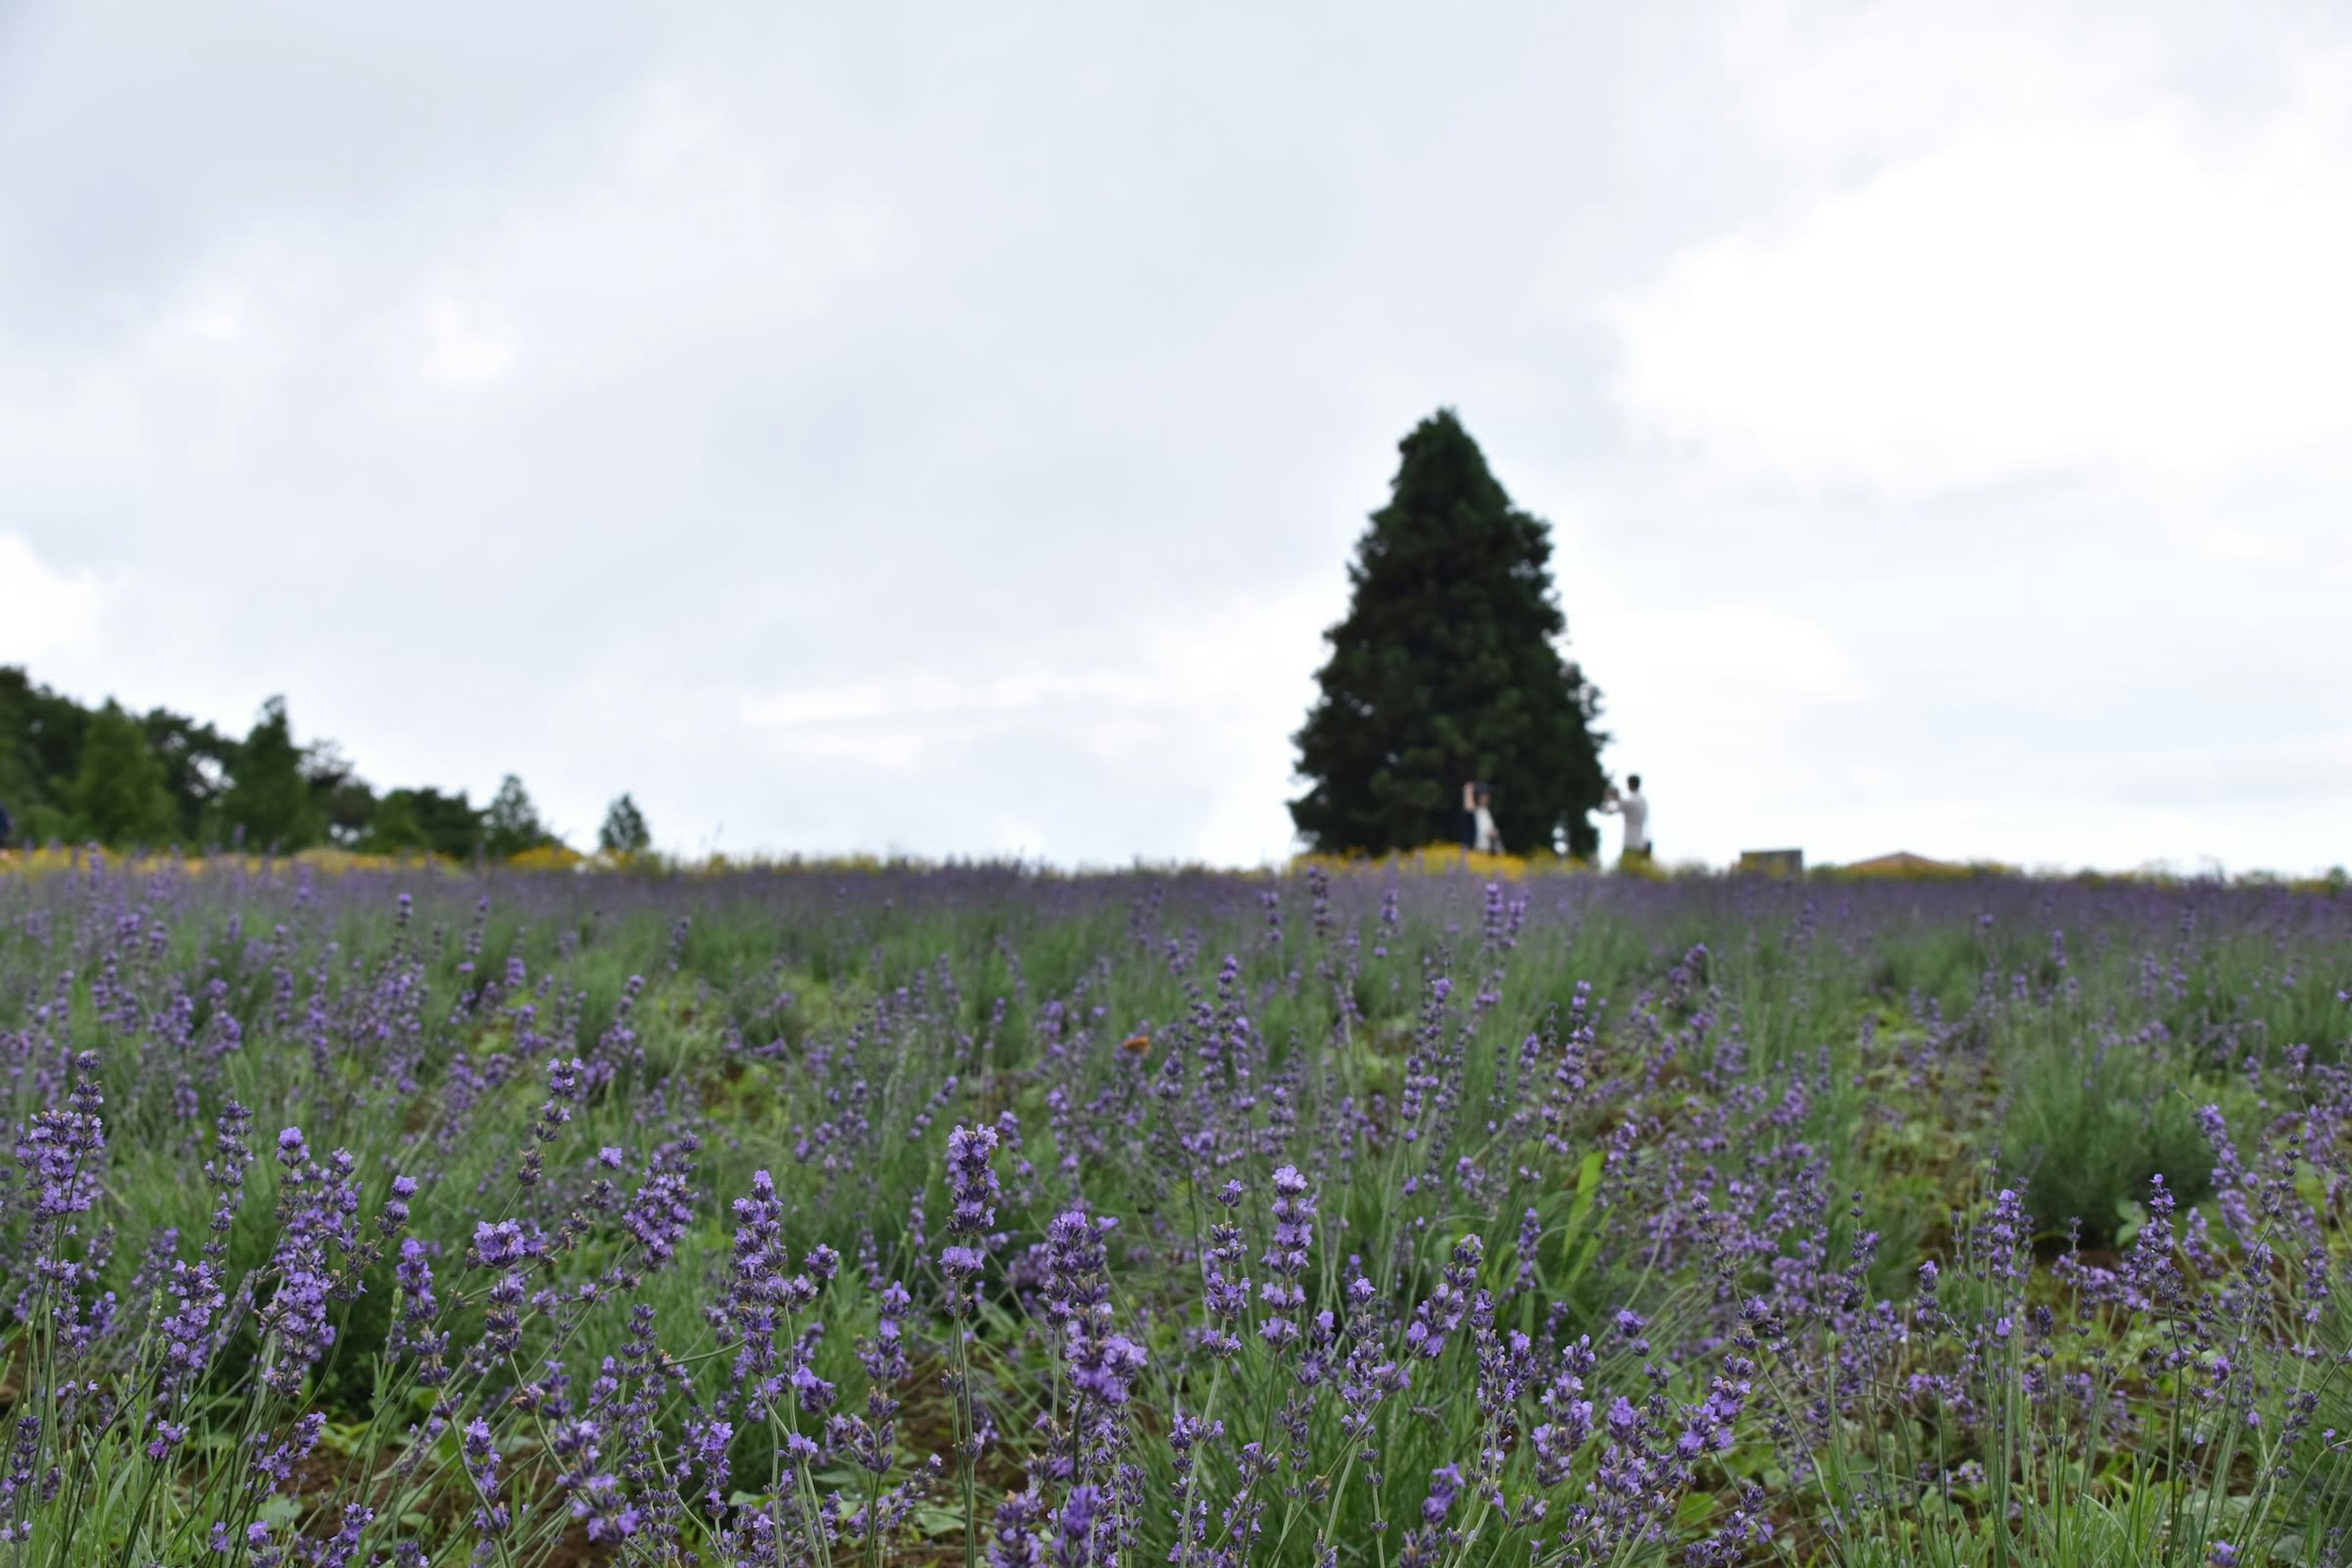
1902	863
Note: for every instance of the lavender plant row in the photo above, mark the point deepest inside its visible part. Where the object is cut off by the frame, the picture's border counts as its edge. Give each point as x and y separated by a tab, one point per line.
1359	1217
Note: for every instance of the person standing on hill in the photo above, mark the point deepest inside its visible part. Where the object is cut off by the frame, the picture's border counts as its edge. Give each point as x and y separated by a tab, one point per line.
1470	814
1489	840
1636	810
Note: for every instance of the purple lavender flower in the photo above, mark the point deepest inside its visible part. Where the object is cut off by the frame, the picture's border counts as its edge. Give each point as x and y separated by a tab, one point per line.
1015	1542
1444	1486
503	1244
972	1191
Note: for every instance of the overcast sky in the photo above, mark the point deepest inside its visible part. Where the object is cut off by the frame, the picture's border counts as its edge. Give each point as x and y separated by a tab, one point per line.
943	428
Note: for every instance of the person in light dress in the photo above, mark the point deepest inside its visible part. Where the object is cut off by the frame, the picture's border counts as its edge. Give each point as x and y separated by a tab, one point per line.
1635	810
1488	840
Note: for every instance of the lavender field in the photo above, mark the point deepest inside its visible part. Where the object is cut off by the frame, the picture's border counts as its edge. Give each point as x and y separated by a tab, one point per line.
1370	1216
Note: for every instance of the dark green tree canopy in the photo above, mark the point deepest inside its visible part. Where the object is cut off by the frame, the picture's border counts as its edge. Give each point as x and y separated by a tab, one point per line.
511	824
625	831
198	762
425	819
119	791
41	736
342	803
70	772
268	805
1448	669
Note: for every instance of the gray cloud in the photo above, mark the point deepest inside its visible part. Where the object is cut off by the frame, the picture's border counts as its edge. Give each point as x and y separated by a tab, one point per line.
915	428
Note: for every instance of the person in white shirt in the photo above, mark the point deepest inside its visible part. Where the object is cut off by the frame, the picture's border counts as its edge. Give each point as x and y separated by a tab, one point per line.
1636	813
1490	842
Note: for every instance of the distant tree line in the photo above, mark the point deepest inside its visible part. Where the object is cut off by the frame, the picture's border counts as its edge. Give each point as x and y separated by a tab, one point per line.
82	774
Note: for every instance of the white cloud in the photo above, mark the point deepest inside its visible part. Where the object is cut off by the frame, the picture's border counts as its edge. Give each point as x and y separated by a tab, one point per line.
1832	90
2025	302
1732	652
458	350
2260	549
693	222
1715	707
1203	707
43	611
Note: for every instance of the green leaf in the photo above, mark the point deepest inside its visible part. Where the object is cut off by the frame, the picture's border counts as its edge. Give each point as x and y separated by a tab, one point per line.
1588	1187
932	1520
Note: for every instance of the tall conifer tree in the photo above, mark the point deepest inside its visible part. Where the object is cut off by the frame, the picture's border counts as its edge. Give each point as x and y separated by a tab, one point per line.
1447	669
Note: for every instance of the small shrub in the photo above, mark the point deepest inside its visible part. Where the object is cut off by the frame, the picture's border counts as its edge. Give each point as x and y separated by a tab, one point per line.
2088	1128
